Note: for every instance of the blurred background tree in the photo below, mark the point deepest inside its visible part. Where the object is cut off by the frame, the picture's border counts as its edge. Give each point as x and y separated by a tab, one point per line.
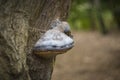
102	15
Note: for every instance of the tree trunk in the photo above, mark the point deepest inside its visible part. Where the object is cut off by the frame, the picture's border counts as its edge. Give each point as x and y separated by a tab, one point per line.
115	8
22	22
97	4
116	14
92	15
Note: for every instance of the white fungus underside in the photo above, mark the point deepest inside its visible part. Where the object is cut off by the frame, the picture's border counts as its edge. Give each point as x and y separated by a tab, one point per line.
54	38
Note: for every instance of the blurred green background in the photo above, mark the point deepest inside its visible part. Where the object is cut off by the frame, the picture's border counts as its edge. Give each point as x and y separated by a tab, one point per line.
95	56
101	15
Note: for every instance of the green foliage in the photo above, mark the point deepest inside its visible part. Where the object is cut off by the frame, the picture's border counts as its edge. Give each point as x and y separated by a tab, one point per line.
79	15
83	15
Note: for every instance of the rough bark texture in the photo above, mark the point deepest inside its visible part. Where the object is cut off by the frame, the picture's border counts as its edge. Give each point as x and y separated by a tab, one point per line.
22	22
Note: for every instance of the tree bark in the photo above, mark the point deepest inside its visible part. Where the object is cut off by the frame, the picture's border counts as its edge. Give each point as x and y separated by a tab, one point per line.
22	22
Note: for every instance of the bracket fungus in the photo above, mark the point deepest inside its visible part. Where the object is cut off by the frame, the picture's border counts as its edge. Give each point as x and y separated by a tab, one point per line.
55	41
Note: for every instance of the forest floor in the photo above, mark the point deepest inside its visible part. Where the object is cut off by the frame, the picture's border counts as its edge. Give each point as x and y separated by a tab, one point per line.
94	57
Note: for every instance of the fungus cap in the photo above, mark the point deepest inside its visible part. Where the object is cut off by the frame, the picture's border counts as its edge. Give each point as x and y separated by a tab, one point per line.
53	42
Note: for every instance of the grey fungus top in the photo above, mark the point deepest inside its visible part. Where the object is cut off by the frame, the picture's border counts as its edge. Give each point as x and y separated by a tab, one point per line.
54	41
